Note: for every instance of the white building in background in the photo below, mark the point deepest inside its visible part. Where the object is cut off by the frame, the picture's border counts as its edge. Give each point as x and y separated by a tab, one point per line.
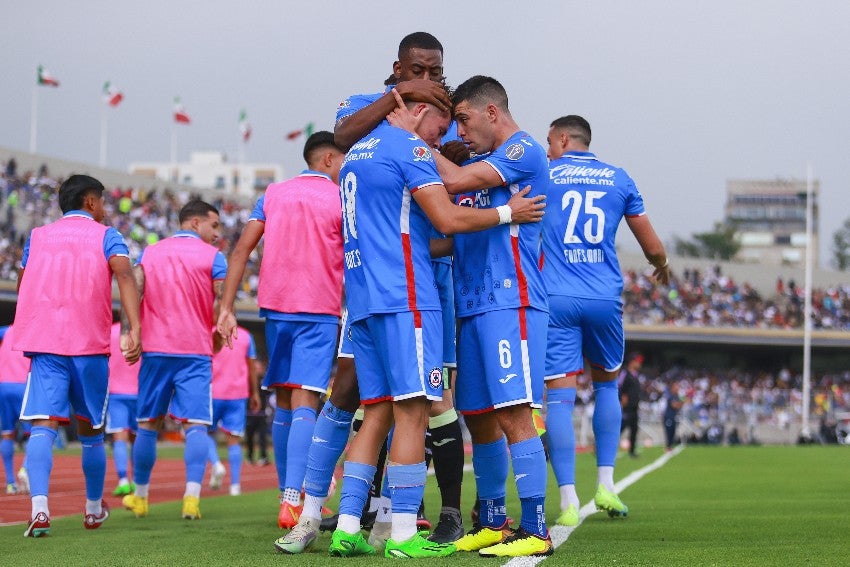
770	216
211	170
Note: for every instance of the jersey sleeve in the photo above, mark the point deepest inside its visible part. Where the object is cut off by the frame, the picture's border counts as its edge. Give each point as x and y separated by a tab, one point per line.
114	245
252	347
634	200
219	268
354	103
417	164
26	254
513	162
258	213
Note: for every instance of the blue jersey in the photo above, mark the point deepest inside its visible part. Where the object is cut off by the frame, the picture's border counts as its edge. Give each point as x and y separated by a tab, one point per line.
586	201
497	268
386	234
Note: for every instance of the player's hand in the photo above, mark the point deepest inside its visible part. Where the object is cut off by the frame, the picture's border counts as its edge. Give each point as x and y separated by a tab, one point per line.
455	151
226	327
662	274
525	209
402	118
131	345
424	90
254	402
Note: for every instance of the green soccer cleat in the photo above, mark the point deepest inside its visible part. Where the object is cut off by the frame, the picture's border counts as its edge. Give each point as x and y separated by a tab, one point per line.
417	547
568	517
124	489
520	544
610	502
481	537
349	545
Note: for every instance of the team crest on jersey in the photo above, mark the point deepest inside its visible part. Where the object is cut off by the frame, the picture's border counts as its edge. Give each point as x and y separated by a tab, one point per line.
421	153
435	377
344	104
514	152
466	202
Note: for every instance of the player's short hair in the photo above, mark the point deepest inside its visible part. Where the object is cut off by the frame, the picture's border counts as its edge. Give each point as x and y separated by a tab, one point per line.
576	126
419	40
196	208
318	141
75	189
481	90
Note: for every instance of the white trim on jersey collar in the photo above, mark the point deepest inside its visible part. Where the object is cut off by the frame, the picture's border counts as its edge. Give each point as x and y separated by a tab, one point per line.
584	155
311	173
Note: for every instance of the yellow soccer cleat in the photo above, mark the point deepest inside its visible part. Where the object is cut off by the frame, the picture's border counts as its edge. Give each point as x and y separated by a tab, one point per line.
568	517
191	508
610	502
136	504
520	544
481	537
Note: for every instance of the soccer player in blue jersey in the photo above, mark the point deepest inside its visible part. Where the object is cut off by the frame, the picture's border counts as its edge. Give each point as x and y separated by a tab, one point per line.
392	195
502	308
588	199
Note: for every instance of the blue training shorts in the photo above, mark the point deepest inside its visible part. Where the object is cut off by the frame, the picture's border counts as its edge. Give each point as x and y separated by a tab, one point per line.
230	416
346	349
11	401
500	360
579	328
445	287
57	382
301	354
399	356
121	413
184	381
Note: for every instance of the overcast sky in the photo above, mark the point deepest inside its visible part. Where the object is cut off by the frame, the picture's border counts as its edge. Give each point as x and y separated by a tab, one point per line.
683	95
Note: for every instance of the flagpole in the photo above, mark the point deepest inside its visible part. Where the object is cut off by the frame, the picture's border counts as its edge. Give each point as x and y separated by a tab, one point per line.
34	118
104	117
805	432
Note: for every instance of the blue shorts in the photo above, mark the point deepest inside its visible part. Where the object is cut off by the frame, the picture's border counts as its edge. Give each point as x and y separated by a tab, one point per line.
121	413
11	401
346	349
399	356
445	287
579	328
301	354
186	379
57	382
500	360
230	416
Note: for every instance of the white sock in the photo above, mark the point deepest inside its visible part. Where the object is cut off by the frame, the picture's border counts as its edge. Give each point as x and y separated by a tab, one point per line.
142	490
39	504
312	507
292	496
385	508
404	527
605	477
348	523
193	489
373	504
568	496
123	481
94	507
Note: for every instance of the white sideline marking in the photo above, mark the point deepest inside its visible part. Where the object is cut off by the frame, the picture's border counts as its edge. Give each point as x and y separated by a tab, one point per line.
560	534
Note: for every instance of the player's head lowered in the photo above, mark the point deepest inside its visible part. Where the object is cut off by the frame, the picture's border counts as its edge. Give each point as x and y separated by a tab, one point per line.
82	193
479	105
566	133
322	155
434	123
420	56
202	218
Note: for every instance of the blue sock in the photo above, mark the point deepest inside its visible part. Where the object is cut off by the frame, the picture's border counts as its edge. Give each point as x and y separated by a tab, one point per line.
7	450
490	462
332	427
300	437
40	459
280	438
607	416
562	438
407	487
120	456
212	452
234	457
144	455
94	465
529	463
356	480
195	455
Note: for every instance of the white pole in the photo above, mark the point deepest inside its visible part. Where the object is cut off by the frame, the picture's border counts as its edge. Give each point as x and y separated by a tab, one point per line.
104	117
805	432
34	118
173	173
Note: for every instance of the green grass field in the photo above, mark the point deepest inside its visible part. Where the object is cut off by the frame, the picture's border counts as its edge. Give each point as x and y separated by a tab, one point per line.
707	506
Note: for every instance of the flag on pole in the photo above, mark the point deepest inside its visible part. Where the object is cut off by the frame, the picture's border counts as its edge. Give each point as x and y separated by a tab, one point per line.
307	131
244	125
45	78
180	114
111	95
